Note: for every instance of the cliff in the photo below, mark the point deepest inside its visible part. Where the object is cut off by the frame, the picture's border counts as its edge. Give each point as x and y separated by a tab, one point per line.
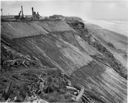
83	53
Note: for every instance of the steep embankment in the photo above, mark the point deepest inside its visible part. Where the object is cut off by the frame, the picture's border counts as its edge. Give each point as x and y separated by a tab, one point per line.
114	42
73	49
33	28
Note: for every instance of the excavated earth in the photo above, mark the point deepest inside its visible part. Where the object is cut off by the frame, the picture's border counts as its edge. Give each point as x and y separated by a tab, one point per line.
39	59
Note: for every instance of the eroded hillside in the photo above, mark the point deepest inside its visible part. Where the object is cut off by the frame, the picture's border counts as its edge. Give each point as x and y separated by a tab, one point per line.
84	67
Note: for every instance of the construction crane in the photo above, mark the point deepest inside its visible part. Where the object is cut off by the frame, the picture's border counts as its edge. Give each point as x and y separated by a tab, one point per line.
20	16
35	16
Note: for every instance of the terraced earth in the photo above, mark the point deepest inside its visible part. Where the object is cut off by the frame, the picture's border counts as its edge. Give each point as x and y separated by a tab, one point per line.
62	61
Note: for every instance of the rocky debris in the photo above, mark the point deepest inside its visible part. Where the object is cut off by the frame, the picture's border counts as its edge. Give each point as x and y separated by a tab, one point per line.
110	45
51	86
77	25
11	58
70	20
28	85
81	92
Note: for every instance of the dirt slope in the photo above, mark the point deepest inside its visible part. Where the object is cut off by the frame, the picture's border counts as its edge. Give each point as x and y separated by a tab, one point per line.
26	29
115	42
72	48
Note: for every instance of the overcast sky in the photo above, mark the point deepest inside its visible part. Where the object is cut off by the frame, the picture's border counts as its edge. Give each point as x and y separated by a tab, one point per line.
87	9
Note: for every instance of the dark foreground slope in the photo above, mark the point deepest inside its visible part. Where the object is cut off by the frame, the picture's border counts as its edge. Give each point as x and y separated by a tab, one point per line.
68	46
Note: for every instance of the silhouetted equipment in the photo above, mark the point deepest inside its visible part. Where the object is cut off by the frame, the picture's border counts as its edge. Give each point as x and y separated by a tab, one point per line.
35	16
32	11
19	13
20	16
1	11
22	12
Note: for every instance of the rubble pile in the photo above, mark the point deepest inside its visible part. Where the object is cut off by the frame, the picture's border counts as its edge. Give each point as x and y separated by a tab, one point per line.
11	59
51	86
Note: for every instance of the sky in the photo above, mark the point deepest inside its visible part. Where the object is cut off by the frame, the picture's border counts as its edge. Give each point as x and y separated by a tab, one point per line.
86	9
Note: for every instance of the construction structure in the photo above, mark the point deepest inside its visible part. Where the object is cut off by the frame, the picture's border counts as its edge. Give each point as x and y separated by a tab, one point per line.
35	16
20	16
